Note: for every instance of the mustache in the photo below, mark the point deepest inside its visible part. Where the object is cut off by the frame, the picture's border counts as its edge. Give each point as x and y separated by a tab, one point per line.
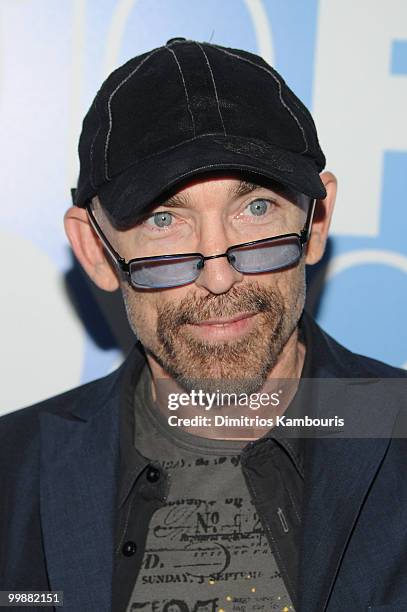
194	310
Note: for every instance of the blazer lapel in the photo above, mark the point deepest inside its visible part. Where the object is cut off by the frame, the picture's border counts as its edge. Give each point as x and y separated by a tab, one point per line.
341	474
338	470
338	474
78	487
77	500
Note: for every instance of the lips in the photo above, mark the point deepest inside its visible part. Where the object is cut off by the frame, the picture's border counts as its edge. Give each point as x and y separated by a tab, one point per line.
238	317
224	329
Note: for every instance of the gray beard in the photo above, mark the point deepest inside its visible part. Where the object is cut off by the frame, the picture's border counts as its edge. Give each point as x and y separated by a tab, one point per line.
240	367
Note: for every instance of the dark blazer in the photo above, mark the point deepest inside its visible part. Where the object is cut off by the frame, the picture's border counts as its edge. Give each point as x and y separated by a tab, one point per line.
59	473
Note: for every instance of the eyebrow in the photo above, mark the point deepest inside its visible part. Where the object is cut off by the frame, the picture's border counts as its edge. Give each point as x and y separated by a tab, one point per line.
243	188
179	200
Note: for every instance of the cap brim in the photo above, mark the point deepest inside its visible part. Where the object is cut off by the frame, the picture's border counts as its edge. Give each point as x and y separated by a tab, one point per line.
126	196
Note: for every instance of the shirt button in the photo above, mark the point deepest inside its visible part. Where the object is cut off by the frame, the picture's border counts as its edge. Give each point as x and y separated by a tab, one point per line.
153	474
179	39
129	548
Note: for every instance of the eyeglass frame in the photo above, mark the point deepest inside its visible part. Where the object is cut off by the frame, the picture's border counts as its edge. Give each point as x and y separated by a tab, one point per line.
124	265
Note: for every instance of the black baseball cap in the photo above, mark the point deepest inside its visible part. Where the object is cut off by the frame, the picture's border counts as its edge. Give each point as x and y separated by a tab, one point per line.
189	108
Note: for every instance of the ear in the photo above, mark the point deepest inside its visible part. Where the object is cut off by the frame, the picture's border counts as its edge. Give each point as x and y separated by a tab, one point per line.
88	249
322	220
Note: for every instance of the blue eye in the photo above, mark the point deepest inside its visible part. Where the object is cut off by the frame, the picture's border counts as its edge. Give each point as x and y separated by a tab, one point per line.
258	207
161	219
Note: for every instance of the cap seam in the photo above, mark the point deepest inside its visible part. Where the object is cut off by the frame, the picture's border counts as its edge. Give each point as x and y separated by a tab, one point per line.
185	87
304	113
92	170
275	78
109	108
214	86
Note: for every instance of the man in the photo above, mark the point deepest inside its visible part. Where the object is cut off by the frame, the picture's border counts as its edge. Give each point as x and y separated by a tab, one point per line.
201	196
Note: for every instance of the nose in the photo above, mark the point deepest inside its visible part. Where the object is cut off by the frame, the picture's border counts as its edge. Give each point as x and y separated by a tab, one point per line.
218	276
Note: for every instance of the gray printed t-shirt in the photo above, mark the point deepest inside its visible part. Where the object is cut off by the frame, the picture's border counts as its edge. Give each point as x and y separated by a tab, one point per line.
206	549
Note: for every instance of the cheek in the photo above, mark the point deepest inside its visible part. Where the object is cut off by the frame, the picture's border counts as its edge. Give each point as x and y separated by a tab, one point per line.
289	283
293	286
141	309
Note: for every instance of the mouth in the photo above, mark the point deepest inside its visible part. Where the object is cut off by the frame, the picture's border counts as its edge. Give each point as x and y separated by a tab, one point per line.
224	329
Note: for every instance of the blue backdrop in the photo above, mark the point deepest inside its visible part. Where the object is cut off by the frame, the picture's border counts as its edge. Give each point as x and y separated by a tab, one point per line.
348	63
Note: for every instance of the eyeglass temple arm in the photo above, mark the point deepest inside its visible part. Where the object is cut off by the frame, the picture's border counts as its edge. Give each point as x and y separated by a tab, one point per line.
120	261
306	230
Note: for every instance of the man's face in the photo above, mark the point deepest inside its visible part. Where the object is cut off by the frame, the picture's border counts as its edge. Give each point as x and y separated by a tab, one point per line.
226	330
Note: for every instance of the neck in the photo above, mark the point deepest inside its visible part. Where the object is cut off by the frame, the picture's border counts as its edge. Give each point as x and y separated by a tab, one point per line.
283	380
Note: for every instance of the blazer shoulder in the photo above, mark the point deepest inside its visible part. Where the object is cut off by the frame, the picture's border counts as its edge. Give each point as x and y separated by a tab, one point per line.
20	429
376	368
58	403
363	366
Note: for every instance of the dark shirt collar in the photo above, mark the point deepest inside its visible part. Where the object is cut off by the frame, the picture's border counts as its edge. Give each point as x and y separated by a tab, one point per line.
132	463
294	445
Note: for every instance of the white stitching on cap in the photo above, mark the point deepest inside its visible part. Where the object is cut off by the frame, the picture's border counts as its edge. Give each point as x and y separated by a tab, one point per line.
185	87
293	115
214	87
109	109
92	146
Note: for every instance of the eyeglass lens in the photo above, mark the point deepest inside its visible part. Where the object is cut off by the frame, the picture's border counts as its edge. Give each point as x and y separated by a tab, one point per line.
161	273
249	259
265	257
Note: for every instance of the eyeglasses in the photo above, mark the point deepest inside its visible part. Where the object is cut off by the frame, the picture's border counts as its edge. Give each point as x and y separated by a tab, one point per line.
165	271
